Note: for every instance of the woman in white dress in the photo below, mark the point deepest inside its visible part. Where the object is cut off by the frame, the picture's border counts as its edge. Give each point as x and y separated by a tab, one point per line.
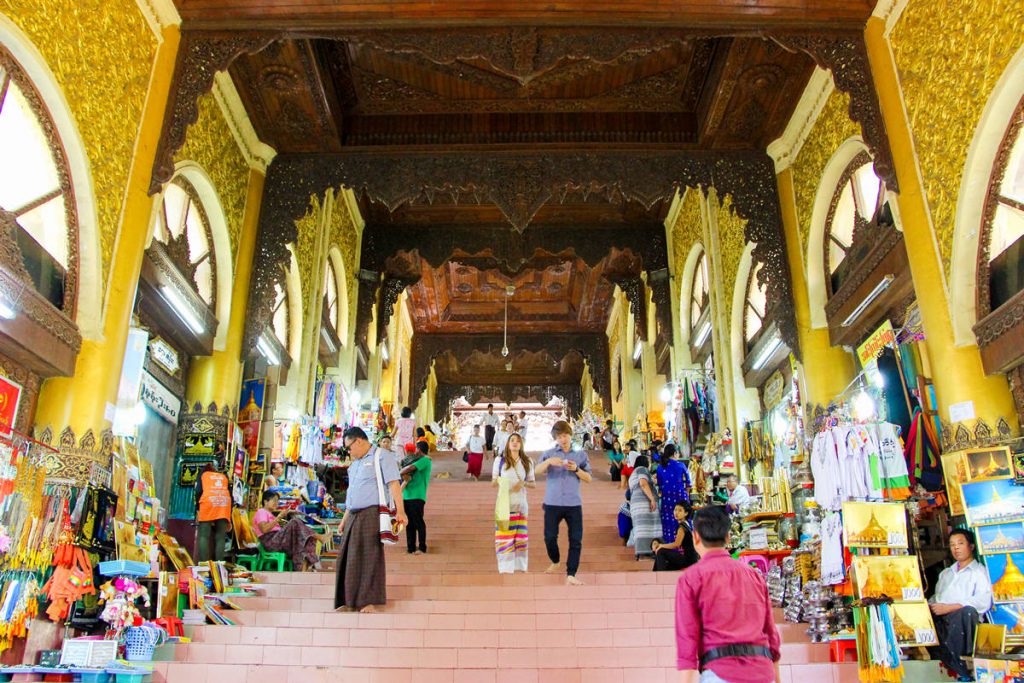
510	545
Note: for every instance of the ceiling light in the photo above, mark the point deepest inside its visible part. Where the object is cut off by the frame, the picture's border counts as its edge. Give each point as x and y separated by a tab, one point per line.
183	310
384	352
638	349
702	334
875	293
766	355
508	366
268	351
666	394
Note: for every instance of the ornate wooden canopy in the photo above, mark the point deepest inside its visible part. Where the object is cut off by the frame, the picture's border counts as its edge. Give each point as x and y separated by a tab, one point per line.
517	142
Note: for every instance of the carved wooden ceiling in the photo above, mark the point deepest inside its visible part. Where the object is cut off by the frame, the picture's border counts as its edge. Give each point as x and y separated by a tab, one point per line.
564	297
401	89
528	367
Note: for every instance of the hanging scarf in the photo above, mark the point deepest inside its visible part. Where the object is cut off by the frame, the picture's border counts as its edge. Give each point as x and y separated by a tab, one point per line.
921	452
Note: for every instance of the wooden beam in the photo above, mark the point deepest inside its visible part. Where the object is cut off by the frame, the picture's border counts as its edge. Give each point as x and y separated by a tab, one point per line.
712	14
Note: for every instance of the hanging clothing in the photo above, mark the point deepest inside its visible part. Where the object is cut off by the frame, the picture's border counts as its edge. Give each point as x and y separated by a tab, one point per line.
895	477
921	453
832	549
826	471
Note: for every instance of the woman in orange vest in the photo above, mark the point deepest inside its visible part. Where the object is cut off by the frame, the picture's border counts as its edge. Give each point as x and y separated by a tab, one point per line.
213	500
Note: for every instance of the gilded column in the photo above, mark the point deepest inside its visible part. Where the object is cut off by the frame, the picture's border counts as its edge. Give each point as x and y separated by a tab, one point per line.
831	368
77	406
959	375
216	378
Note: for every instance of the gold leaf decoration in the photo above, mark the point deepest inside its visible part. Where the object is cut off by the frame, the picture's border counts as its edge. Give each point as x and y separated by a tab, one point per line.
345	236
949	56
686	232
101	53
305	253
210	144
732	240
832	128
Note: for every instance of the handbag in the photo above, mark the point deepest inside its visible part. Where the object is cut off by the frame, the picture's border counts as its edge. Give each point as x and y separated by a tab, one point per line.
386	510
465	456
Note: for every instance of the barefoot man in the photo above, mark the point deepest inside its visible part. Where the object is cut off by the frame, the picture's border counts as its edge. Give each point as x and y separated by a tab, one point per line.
565	469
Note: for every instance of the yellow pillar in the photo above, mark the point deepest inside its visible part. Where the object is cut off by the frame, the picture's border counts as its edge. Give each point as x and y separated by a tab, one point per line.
217	378
828	369
959	373
80	401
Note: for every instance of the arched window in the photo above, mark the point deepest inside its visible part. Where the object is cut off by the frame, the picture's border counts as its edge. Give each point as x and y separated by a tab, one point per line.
699	292
282	321
855	203
755	306
184	229
1001	247
331	296
35	187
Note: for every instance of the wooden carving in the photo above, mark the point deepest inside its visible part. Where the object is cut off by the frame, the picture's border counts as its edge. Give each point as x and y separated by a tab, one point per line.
571	394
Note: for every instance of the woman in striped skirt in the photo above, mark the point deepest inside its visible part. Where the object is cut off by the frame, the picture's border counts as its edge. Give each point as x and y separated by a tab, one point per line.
510	545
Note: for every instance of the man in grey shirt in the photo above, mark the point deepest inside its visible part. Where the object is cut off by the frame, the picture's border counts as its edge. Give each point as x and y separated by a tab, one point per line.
565	469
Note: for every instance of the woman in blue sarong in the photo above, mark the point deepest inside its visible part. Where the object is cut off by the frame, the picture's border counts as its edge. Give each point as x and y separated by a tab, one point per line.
674	485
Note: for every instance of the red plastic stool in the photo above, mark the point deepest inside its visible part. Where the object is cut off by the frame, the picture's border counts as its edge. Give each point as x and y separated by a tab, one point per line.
838	649
172	625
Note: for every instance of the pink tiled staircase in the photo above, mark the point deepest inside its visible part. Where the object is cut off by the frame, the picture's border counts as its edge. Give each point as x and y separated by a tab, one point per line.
450	616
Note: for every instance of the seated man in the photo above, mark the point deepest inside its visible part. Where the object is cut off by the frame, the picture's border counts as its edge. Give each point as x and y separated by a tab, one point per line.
962	595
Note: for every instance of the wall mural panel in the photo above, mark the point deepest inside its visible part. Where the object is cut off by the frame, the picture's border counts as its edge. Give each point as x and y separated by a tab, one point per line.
101	53
947	74
211	145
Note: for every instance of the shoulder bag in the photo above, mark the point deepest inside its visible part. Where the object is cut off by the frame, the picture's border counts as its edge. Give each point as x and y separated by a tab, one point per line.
386	510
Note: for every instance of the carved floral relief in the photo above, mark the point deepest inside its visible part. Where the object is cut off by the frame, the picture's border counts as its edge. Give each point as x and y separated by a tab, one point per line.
950	56
101	53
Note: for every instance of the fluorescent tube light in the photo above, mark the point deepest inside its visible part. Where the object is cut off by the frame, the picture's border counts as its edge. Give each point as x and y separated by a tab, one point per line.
766	355
875	293
384	353
7	311
331	348
183	310
638	349
702	334
268	351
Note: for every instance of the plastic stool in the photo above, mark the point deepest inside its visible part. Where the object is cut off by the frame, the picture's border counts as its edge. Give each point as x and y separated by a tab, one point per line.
268	558
838	649
248	561
172	625
759	562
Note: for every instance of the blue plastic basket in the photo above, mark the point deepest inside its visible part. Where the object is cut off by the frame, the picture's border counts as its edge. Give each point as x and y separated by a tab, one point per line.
92	675
140	641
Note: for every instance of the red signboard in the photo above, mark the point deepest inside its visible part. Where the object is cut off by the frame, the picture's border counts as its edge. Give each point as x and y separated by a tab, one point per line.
10	397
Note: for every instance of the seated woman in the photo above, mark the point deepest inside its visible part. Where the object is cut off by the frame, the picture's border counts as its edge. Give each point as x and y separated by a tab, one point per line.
296	539
616	459
962	594
680	553
643	507
431	438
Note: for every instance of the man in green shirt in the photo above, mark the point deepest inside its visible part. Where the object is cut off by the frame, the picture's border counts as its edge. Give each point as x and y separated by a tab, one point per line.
414	495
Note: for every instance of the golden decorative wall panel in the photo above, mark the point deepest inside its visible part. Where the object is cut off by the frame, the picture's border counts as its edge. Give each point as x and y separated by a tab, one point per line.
949	56
686	232
731	242
344	235
101	53
211	145
832	128
305	252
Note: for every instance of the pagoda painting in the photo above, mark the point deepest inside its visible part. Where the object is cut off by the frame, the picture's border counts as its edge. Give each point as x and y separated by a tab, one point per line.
888	576
912	622
989	463
994	501
1001	538
1011	615
1007	579
874	525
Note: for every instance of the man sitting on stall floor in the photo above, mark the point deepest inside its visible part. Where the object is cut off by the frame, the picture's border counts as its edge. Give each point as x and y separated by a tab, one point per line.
963	593
738	493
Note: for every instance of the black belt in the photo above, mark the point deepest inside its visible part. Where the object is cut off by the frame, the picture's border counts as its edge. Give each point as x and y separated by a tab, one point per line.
739	650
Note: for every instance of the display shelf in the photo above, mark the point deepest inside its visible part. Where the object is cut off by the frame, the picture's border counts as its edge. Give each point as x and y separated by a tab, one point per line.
763	516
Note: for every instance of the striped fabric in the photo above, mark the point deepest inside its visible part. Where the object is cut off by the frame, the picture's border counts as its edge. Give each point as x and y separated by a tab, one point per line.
511	546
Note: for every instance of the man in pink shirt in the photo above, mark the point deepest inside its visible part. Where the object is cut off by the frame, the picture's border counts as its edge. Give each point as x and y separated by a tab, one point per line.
725	631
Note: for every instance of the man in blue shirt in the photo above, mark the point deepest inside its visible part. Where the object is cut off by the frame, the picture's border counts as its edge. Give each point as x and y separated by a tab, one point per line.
566	468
